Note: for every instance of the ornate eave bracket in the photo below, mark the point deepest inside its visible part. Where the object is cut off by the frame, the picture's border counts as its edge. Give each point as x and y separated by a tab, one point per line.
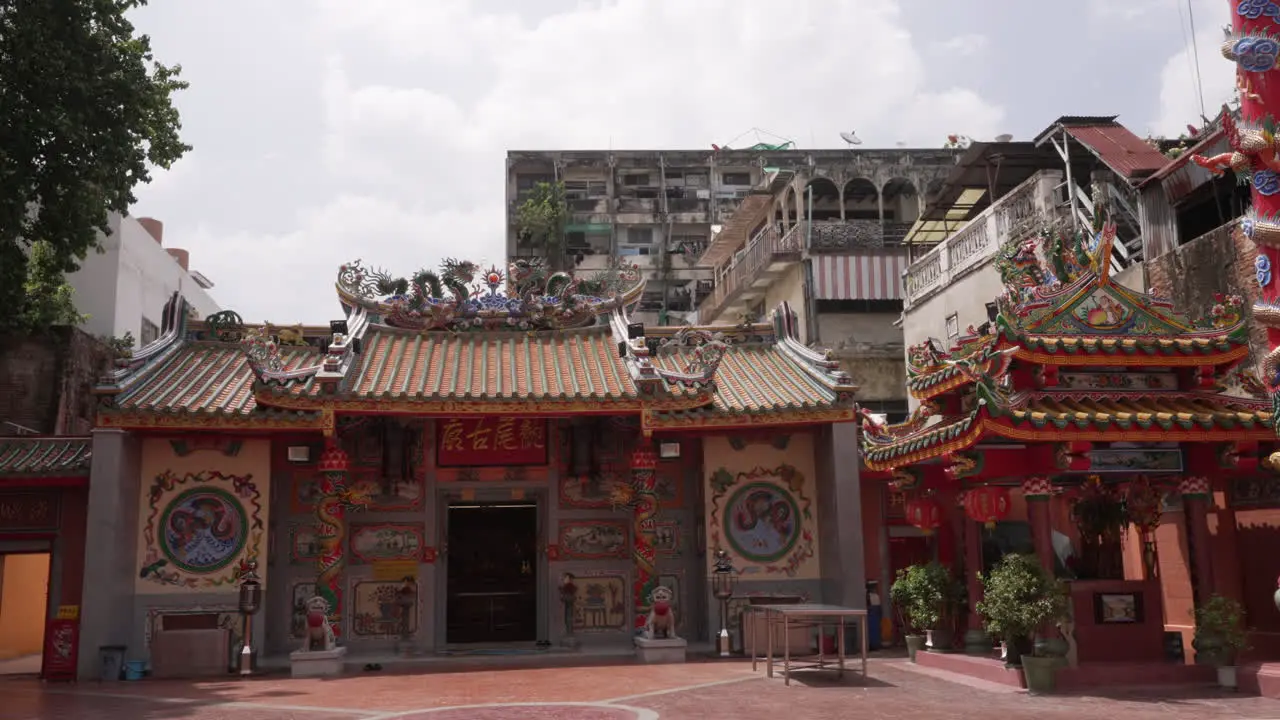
819	365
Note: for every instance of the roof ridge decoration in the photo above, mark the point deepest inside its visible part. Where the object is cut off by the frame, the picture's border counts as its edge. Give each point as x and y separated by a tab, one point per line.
461	298
263	354
818	365
173	332
1058	283
709	349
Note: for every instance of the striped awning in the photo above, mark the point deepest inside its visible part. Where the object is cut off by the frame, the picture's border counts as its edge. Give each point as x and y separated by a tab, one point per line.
869	275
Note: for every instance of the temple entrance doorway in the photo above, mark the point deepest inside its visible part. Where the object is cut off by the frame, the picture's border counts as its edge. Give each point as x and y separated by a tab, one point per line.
492	577
24	605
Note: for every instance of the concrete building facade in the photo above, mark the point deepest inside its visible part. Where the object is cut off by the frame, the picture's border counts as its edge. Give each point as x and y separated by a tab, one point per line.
124	287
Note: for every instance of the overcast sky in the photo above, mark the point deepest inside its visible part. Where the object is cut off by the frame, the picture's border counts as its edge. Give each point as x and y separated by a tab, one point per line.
330	130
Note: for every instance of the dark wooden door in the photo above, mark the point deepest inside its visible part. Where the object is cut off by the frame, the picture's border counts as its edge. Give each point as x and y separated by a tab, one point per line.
491	595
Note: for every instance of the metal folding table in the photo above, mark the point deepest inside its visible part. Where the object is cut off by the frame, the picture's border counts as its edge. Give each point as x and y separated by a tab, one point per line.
807	615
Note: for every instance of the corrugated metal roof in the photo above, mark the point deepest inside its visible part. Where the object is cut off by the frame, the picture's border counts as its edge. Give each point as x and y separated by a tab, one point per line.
45	456
1127	154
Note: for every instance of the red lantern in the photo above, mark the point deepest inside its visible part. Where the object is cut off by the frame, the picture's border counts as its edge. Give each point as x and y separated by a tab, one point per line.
988	505
643	459
333	459
924	513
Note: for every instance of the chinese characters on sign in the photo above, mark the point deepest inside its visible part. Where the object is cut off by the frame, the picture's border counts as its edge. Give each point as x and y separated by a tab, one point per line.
491	442
28	511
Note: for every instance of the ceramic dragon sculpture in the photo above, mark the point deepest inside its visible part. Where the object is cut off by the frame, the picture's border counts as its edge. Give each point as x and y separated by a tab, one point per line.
462	298
1253	43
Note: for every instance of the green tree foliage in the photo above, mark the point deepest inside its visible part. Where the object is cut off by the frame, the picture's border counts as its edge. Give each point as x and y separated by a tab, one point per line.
540	223
86	110
1018	596
47	300
925	595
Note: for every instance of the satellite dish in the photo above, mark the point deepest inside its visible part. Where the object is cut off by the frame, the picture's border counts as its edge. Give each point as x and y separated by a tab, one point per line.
1004	138
851	138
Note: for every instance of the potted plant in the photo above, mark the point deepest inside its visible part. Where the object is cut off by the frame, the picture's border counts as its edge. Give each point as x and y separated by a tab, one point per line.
1220	636
925	597
1018	598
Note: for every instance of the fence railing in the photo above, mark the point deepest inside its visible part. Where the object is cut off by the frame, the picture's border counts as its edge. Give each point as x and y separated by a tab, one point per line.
977	242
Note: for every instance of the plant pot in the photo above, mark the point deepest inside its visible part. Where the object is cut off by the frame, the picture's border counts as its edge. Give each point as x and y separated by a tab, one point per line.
1041	674
1051	647
1210	649
1227	676
977	642
1016	650
938	640
914	644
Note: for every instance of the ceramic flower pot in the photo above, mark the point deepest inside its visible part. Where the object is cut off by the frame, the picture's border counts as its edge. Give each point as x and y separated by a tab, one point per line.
1041	674
914	645
1227	676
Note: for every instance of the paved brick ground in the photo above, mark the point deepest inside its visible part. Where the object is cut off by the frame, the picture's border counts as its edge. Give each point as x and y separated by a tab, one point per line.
607	692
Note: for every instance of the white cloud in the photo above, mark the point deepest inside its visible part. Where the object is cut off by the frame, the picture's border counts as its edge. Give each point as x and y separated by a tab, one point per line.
1179	92
418	103
963	45
1110	11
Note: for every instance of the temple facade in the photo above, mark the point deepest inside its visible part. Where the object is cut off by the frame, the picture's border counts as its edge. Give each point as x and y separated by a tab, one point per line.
1098	428
467	459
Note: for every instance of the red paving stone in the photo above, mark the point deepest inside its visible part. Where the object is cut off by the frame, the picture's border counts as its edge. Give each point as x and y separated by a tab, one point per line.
693	691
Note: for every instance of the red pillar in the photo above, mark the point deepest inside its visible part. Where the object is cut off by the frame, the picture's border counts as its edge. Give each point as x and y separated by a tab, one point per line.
1196	493
1037	491
973	566
1251	45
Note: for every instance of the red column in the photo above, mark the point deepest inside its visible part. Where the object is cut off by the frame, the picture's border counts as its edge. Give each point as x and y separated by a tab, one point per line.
1253	45
1037	491
1196	493
973	566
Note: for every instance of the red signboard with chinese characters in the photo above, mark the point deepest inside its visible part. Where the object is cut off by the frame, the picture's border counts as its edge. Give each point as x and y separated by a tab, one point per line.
491	442
61	649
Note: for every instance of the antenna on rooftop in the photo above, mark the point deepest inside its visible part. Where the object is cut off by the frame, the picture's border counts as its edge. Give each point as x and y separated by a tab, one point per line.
851	138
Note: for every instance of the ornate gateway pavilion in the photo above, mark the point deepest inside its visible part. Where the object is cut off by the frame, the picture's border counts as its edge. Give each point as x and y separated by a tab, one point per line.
1120	431
467	458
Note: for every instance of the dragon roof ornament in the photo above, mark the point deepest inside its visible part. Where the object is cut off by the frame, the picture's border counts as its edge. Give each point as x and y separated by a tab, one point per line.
461	298
708	350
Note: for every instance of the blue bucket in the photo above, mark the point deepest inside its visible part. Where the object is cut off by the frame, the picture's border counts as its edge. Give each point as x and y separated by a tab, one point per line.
134	669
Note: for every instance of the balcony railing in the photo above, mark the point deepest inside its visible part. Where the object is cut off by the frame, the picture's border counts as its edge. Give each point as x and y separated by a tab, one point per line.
973	245
767	247
848	235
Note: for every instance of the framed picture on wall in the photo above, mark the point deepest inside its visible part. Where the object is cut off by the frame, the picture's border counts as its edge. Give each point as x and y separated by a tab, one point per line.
1117	608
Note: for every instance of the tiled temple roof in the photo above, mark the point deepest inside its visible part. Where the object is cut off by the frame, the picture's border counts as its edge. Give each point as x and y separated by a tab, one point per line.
45	456
1064	416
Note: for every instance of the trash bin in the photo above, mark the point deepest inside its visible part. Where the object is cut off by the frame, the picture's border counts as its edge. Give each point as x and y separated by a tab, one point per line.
112	657
135	669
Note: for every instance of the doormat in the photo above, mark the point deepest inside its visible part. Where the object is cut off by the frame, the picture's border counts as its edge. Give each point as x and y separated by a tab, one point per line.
496	651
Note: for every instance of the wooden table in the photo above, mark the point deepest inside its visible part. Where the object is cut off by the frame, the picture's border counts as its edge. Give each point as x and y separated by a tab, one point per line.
807	615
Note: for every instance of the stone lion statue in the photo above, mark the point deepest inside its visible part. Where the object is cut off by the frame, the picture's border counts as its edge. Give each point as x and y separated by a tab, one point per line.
662	616
319	635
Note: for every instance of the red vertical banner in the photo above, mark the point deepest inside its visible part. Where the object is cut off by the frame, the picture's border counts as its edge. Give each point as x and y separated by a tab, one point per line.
61	649
491	442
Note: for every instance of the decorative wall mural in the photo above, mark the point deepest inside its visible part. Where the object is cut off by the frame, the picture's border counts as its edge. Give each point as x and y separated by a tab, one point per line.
600	604
763	517
198	526
590	491
1100	311
303	491
304	544
593	539
388	494
670	485
378	611
390	541
301	593
666	538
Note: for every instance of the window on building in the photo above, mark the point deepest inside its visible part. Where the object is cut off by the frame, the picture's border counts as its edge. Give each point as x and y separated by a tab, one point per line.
953	326
640	236
149	333
735	178
635	180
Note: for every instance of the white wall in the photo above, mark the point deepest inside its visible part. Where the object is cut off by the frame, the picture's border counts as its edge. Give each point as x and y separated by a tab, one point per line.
130	280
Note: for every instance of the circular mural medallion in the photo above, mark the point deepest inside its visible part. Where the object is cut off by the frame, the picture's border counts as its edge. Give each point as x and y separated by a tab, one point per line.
762	522
203	530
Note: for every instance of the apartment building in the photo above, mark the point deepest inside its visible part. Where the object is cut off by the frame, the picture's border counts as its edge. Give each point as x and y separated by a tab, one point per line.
829	232
124	288
1005	190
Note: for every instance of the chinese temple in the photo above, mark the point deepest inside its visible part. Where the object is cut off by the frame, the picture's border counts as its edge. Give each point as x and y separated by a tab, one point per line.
466	459
1098	428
